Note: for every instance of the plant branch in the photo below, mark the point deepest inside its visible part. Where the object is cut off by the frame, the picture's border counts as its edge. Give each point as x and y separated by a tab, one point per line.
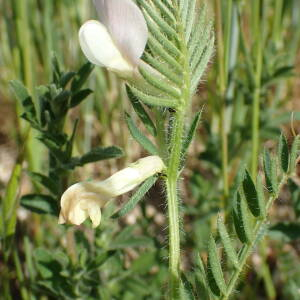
247	248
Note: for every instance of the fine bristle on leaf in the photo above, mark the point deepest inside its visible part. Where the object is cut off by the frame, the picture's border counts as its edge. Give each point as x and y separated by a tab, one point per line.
251	195
283	153
215	265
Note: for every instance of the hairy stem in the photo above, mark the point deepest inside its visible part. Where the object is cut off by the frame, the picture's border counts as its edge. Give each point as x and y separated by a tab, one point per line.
174	240
173	203
173	172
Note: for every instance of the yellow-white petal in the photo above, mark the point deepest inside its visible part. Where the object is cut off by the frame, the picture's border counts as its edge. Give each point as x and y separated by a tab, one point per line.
129	178
79	202
94	211
99	48
85	199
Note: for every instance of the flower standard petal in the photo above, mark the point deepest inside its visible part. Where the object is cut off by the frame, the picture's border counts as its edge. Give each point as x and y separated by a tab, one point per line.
99	48
126	24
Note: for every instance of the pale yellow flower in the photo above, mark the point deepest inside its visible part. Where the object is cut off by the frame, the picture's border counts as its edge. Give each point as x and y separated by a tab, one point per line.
85	199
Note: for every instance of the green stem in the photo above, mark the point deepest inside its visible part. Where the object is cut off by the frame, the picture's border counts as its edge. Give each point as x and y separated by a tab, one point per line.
174	241
258	51
20	276
277	23
173	172
227	39
256	99
266	272
224	139
174	166
173	203
255	132
223	59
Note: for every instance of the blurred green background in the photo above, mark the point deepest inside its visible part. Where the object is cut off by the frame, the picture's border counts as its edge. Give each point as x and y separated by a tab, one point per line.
253	78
